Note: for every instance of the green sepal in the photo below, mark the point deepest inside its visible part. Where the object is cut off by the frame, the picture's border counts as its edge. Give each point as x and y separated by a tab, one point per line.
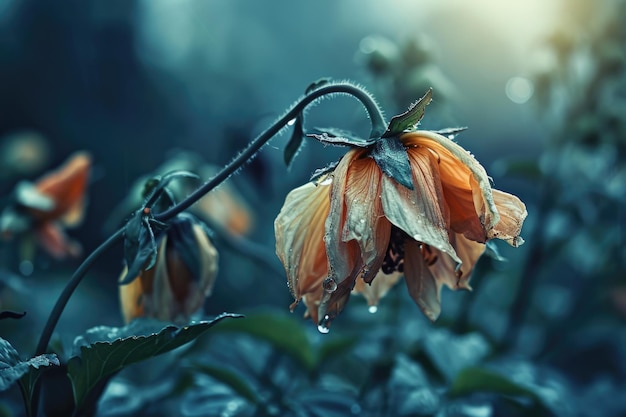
409	119
323	171
140	244
391	157
340	137
451	132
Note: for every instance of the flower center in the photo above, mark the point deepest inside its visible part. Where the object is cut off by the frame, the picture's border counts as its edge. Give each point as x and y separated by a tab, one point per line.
394	258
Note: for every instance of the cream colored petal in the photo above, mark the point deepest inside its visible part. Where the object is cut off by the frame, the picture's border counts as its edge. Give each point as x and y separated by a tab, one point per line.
454	163
365	222
421	284
512	215
380	286
421	212
299	229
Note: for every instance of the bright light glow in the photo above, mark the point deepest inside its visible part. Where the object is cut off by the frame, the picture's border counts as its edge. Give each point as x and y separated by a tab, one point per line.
519	90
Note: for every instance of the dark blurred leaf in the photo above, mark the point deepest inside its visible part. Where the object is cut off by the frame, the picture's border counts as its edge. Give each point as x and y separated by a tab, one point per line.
527	169
473	380
13	368
323	403
103	358
335	347
409	119
231	379
410	392
340	137
11	315
283	332
450	353
391	157
210	398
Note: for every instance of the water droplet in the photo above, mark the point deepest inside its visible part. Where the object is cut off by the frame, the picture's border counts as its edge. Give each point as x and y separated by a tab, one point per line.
417	237
362	221
323	327
329	285
372	309
291	122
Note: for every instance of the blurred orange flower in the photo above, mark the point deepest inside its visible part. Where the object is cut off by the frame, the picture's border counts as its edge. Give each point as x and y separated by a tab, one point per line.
51	204
359	226
183	276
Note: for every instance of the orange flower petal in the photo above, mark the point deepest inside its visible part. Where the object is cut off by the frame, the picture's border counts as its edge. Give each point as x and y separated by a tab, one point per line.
421	284
344	260
446	271
54	241
455	166
66	187
380	285
299	229
131	298
420	212
365	222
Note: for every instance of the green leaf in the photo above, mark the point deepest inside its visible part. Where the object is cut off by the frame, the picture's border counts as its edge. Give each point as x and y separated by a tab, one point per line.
101	359
475	379
13	368
340	137
295	142
281	331
231	379
409	119
391	157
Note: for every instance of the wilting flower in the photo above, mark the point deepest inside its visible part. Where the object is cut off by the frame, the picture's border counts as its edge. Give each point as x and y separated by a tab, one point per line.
358	225
48	206
176	286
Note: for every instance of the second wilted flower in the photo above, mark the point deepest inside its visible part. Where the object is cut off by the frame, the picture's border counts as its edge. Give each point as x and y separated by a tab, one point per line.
176	286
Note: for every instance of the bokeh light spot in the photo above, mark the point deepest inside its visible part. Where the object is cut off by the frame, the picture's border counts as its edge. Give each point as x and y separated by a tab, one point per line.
519	90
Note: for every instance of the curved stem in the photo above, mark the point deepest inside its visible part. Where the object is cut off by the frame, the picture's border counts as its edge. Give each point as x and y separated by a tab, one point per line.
376	117
53	319
58	308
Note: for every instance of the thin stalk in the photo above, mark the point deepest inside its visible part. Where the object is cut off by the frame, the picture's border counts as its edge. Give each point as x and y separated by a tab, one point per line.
64	297
375	115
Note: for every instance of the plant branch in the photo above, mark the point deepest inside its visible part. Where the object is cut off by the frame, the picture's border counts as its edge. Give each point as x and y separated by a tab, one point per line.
375	115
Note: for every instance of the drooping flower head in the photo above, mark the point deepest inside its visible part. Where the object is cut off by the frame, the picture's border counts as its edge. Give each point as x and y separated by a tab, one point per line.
176	286
170	266
49	205
411	203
